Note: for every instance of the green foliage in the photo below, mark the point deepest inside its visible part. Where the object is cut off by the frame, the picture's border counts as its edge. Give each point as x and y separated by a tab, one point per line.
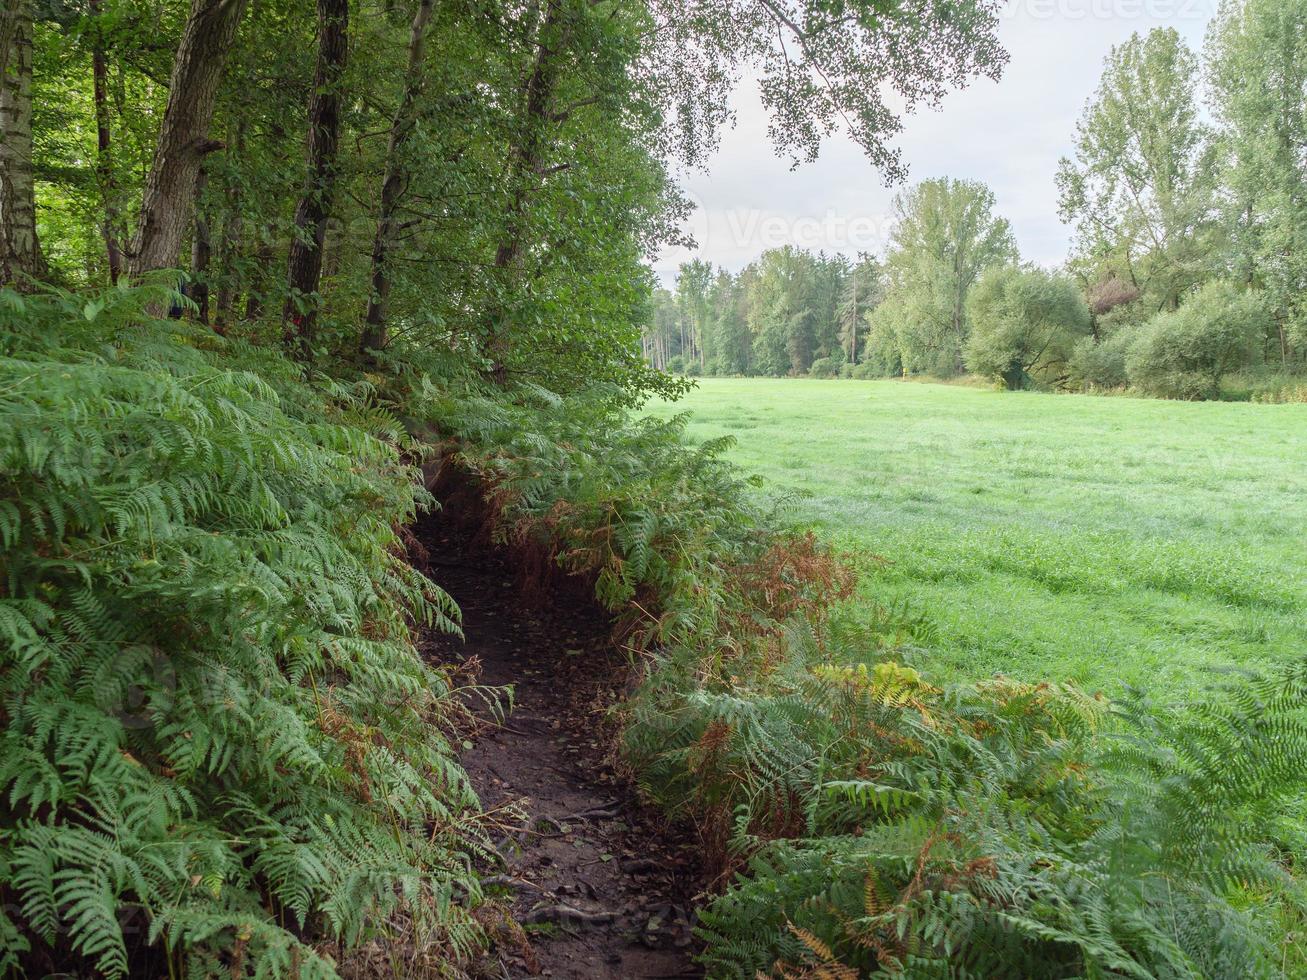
828	367
1024	323
1186	353
988	828
869	369
863	66
1141	190
947	235
216	729
881	355
1267	388
730	341
1257	71
780	315
623	501
1100	364
861	292
791	298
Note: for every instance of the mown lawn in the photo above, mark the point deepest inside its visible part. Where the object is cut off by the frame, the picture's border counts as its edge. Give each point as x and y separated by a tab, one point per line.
1104	540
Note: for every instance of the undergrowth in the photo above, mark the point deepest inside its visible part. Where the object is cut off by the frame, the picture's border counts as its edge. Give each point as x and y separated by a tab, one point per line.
219	751
221	754
863	821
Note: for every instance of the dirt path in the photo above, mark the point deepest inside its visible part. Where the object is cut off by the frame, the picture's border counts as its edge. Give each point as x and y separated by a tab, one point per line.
599	883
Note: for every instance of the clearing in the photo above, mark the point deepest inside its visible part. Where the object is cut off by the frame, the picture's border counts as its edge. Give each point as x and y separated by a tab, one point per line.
1100	539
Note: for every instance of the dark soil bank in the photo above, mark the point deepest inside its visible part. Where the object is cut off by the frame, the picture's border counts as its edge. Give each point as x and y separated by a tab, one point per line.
599	882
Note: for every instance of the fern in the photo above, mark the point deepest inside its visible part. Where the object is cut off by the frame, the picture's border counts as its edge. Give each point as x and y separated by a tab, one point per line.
214	723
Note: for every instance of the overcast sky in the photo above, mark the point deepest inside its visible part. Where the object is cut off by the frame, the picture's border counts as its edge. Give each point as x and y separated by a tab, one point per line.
1009	134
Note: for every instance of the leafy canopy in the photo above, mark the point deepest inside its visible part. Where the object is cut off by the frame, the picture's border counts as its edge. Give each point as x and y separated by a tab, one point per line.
1024	322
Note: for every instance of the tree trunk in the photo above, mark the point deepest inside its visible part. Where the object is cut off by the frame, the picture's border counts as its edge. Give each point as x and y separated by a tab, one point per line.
524	165
104	152
201	252
228	246
853	326
392	185
10	14
233	233
260	281
304	263
20	250
184	135
228	252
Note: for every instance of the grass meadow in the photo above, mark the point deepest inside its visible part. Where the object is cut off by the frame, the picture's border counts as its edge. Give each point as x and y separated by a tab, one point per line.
1104	540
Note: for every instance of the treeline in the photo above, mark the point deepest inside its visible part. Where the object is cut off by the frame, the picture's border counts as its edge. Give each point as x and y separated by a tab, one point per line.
481	179
1189	262
359	174
776	317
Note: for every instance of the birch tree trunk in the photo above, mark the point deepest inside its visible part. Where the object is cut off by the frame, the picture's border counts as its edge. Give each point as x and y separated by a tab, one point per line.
524	165
20	249
184	135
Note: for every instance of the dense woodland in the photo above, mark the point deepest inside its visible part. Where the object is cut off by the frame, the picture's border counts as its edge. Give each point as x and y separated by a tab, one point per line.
264	261
1188	196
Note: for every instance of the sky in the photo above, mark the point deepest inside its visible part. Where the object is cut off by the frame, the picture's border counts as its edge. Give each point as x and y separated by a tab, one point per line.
1009	134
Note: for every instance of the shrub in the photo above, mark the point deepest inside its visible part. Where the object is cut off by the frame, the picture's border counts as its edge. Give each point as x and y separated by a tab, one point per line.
216	731
1265	388
1024	323
624	500
988	828
880	343
868	370
825	367
1100	363
675	364
1294	392
1185	353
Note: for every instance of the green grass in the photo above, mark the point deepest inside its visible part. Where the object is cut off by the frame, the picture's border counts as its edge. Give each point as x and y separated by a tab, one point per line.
1103	540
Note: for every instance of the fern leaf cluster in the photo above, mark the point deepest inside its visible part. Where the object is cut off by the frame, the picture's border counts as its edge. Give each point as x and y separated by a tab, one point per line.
217	743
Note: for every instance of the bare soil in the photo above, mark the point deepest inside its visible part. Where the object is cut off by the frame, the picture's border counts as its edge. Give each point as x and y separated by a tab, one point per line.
600	883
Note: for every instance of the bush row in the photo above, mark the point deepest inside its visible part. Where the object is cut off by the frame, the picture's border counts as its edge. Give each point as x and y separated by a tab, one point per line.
1032	329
